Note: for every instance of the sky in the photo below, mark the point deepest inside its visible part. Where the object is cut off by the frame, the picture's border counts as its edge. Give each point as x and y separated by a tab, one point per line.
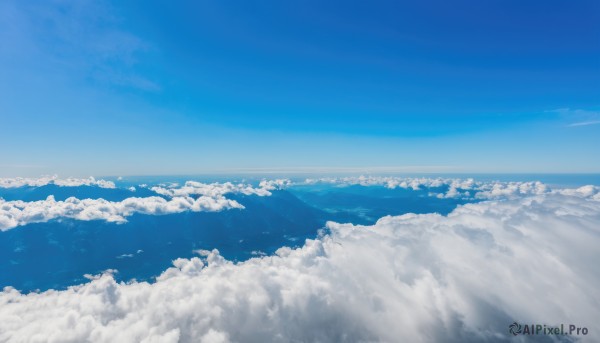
111	88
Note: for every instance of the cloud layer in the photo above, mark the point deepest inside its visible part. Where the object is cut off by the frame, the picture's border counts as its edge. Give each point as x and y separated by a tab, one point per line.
193	196
17	213
417	278
54	180
219	189
457	188
197	196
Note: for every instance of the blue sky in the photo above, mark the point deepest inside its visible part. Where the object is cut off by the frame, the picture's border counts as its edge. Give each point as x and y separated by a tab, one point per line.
137	88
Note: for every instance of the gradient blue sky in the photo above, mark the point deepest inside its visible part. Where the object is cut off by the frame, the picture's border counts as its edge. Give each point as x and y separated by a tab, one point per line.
148	87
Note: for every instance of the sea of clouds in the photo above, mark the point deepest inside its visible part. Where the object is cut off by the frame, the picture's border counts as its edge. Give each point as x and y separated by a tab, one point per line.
415	278
197	196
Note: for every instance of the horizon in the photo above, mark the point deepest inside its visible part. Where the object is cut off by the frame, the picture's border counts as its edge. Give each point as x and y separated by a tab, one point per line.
267	172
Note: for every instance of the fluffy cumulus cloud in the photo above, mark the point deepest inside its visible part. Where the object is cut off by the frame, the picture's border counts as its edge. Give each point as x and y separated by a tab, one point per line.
17	213
47	180
275	184
219	189
416	278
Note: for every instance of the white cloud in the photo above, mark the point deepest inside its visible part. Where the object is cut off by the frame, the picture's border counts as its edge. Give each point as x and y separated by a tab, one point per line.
414	278
216	189
457	188
17	213
396	182
125	256
46	180
211	198
585	123
275	184
495	190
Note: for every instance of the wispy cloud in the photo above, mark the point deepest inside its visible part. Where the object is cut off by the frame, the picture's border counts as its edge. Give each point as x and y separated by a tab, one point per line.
578	117
584	123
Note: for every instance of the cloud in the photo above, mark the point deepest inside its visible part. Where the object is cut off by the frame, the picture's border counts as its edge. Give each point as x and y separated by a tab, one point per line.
125	256
495	190
275	184
468	189
578	117
448	187
398	182
219	189
585	123
418	278
17	213
54	180
193	196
